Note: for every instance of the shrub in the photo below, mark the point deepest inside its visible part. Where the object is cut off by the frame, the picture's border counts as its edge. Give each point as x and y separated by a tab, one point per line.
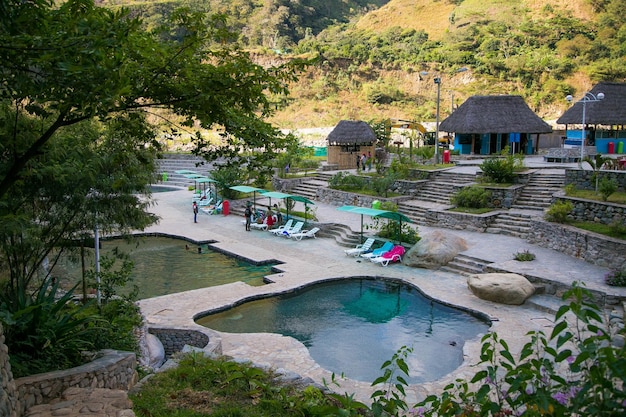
559	211
616	278
471	197
524	256
499	170
381	185
347	182
579	369
607	187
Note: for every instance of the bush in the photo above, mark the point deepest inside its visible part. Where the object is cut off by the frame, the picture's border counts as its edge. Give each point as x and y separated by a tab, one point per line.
578	370
346	182
559	211
524	256
471	197
607	187
499	170
616	278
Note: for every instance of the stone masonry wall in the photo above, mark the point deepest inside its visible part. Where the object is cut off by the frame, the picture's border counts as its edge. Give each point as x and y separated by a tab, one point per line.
594	211
9	405
113	370
593	248
585	178
174	340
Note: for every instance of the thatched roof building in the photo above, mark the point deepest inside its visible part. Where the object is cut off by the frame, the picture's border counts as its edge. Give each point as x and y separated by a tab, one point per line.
487	124
349	140
607	118
352	132
609	111
494	114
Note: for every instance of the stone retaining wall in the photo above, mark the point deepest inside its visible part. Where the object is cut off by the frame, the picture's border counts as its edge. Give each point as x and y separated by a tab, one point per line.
585	179
591	247
343	198
594	211
460	221
113	369
9	406
173	340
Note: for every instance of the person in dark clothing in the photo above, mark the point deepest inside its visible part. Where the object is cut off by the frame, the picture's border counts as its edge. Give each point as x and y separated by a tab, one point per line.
194	206
248	214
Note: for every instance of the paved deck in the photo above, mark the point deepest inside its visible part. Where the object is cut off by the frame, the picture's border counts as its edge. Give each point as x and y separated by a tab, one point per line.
312	260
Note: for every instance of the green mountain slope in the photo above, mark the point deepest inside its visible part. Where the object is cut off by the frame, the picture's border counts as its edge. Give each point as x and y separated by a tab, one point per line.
378	59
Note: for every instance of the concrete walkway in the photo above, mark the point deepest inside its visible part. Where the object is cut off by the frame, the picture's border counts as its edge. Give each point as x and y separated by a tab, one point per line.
312	260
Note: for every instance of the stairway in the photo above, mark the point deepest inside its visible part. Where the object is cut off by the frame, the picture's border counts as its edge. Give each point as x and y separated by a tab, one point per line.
309	186
537	194
176	162
512	224
341	233
465	265
443	185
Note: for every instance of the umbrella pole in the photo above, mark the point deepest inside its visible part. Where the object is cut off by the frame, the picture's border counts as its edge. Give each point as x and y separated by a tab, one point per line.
361	229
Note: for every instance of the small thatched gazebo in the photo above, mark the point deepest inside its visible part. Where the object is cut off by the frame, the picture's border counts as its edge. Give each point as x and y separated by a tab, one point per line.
349	139
487	124
604	119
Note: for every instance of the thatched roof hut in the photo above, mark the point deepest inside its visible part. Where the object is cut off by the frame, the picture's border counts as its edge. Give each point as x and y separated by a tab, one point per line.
609	111
347	141
494	114
352	132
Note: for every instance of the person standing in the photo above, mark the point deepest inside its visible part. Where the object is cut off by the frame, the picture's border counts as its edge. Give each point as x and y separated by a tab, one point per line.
194	206
358	162
363	160
369	160
248	214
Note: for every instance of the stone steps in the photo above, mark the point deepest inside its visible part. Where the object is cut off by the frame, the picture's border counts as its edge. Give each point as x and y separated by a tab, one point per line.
465	265
511	224
343	235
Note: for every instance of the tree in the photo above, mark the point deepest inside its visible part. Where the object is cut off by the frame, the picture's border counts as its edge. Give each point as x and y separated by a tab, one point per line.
66	64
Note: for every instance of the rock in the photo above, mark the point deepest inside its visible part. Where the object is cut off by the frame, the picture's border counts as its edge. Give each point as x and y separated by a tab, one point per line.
501	288
434	250
156	351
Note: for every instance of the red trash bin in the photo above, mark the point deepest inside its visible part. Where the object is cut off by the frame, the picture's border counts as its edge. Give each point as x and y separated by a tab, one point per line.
225	208
611	147
446	156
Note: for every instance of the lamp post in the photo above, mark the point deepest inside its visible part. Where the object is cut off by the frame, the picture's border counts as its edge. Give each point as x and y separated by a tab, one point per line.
438	82
588	97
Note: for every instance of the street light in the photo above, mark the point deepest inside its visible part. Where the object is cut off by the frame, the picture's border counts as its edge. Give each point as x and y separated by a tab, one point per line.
588	97
438	82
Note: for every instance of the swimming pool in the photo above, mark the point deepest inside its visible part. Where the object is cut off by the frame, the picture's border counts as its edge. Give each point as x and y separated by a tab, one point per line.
353	326
166	265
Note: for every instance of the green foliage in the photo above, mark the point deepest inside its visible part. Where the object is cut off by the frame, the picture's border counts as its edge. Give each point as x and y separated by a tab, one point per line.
472	197
499	170
564	373
389	400
382	129
45	330
111	280
227	176
381	185
346	181
426	152
524	256
559	211
616	278
398	170
607	187
308	165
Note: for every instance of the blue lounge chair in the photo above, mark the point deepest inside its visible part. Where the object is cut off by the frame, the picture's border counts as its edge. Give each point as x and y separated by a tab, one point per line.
378	252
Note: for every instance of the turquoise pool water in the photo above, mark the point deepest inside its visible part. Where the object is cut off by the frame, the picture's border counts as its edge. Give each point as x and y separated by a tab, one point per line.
166	266
353	326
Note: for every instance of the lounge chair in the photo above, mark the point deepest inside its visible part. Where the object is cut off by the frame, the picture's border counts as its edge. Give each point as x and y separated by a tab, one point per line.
305	233
217	208
394	255
364	247
280	229
386	247
258	226
295	229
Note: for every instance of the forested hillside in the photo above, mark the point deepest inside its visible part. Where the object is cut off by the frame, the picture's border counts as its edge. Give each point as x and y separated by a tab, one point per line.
379	58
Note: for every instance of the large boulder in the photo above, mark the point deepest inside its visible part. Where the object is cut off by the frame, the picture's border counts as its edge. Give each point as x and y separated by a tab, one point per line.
501	288
434	250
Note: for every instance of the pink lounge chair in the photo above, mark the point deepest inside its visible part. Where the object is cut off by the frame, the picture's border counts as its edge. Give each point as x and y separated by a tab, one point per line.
393	255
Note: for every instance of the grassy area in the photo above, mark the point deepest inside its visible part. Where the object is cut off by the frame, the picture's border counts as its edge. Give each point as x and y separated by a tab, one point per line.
215	387
618	197
603	229
469	210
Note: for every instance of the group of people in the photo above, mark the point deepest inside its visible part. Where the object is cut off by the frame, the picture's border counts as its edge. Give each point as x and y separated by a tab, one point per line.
364	162
269	218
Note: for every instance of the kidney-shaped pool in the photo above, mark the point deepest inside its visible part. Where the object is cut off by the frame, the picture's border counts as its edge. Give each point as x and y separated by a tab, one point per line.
353	326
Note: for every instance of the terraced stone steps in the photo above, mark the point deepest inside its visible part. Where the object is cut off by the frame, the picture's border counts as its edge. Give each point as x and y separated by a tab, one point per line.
511	224
537	194
343	235
465	265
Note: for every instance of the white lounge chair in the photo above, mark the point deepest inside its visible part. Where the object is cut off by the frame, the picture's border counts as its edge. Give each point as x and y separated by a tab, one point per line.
386	247
361	248
280	229
295	229
305	233
258	226
394	255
